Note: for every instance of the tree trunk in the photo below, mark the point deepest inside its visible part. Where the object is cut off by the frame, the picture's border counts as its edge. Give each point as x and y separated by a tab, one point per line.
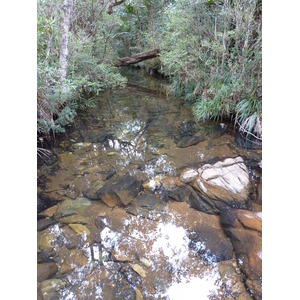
125	61
65	23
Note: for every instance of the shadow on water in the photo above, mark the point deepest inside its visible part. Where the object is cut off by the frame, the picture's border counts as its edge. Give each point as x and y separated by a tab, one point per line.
133	243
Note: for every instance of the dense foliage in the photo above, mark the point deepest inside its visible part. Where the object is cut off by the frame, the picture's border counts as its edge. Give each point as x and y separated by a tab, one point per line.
91	59
210	49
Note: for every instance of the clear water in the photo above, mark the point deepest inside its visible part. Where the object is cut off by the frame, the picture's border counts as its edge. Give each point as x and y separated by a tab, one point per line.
128	254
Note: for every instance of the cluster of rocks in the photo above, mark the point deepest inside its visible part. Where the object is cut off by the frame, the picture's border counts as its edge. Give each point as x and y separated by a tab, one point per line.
218	191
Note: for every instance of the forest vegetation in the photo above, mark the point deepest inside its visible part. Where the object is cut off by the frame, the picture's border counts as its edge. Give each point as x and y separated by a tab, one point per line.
211	51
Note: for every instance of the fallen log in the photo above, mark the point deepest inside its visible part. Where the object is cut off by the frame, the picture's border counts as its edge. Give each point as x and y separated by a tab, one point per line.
125	61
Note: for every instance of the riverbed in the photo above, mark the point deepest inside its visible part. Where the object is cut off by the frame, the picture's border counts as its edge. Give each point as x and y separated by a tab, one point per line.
108	227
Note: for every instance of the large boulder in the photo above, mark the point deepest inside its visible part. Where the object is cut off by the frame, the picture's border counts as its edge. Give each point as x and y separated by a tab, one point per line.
226	180
244	228
225	183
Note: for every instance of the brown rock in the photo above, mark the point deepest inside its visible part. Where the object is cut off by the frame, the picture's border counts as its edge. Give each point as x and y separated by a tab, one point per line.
75	259
120	191
74	219
46	270
51	285
138	294
236	288
137	268
244	230
79	229
49	212
46	242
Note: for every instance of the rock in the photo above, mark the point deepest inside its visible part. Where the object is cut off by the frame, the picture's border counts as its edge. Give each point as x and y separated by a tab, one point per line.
146	262
188	175
120	191
91	193
69	207
226	183
187	141
45	271
147	206
75	259
49	212
138	294
81	145
51	285
71	239
259	192
72	193
46	242
152	184
244	229
44	223
79	229
74	219
131	276
210	244
204	231
236	288
137	268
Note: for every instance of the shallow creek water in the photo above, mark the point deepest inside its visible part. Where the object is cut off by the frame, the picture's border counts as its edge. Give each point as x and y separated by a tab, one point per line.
144	247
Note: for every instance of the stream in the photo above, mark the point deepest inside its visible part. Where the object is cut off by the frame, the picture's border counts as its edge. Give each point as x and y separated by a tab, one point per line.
111	225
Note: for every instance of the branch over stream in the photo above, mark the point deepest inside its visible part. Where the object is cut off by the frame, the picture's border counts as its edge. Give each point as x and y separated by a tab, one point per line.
125	61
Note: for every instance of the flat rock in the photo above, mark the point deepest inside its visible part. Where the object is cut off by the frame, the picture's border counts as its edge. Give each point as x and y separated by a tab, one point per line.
75	259
46	241
45	271
79	229
44	223
137	268
147	206
74	219
236	288
204	232
244	229
51	285
69	207
49	212
119	191
188	141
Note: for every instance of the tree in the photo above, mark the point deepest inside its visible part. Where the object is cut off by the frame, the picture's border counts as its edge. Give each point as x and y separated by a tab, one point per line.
65	23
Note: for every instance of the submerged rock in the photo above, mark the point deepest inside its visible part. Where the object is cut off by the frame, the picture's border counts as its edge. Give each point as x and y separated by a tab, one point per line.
120	191
187	141
51	285
244	228
46	242
236	288
137	268
147	206
45	271
74	219
44	223
79	229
